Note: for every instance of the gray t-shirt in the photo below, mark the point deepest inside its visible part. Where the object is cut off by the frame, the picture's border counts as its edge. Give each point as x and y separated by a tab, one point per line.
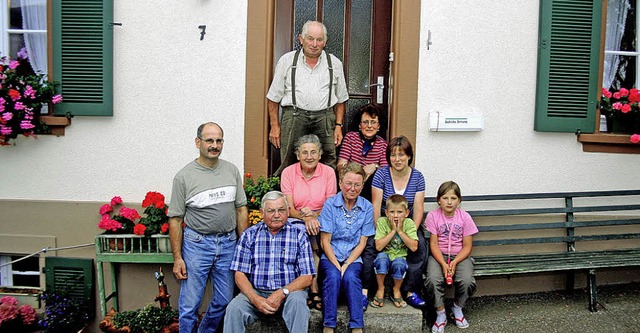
207	198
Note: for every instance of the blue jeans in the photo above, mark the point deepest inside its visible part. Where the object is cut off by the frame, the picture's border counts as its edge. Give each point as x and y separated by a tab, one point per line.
331	287
206	257
398	266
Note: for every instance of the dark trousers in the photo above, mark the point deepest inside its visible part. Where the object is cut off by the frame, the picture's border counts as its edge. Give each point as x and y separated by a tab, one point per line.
299	122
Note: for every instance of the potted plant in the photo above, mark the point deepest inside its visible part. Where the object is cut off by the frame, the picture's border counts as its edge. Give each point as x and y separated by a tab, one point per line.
63	312
22	95
622	112
149	319
117	224
156	222
15	318
254	191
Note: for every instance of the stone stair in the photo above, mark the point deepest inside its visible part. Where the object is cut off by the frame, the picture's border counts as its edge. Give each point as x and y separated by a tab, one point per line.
379	320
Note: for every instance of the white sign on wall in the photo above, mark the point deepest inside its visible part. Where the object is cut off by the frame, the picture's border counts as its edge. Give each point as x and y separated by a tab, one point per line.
440	122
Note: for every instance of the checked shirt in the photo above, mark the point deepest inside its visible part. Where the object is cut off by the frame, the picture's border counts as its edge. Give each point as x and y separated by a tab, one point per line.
273	261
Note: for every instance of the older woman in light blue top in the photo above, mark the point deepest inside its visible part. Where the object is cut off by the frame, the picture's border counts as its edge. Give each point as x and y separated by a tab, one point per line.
346	222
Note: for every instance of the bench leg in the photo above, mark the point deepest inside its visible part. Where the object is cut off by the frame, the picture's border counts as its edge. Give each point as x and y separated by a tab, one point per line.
593	291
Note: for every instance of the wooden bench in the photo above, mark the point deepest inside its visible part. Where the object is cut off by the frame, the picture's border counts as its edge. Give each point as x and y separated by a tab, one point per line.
546	232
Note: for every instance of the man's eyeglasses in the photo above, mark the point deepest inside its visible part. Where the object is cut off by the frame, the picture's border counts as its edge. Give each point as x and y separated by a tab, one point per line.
369	122
356	186
212	141
280	211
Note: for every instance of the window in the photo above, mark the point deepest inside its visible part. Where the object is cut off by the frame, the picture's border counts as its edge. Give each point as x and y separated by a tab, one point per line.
81	52
23	273
570	65
620	66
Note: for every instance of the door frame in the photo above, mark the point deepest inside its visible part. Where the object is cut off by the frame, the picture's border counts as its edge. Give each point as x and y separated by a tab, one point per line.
403	90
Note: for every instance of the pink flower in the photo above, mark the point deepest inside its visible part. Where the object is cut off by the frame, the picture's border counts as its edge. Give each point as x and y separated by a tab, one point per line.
624	92
56	99
7	116
635	138
139	229
28	314
105	209
617	105
29	92
116	200
14	64
616	95
9	300
129	213
19	106
108	224
8	311
606	93
4	130
625	108
26	125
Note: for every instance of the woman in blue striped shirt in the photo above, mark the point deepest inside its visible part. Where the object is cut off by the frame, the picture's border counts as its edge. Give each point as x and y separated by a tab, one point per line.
400	178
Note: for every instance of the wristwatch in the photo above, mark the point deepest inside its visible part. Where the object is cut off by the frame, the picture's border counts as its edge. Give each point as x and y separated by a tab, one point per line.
339	124
285	291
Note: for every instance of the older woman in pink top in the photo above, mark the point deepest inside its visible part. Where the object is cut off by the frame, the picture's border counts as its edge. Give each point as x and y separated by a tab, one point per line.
307	184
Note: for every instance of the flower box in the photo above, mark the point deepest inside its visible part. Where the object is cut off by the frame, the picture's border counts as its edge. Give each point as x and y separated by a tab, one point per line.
24	296
132	244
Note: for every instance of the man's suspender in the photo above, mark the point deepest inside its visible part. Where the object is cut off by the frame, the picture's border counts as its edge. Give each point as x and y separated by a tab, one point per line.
293	79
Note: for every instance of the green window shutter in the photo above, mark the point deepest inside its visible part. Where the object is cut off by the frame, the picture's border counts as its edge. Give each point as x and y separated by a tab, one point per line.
75	275
83	56
568	65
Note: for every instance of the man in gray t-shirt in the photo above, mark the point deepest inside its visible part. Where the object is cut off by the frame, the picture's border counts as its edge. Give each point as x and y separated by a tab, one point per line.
209	200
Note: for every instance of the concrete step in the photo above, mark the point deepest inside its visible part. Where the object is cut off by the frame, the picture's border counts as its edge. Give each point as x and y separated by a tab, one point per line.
379	320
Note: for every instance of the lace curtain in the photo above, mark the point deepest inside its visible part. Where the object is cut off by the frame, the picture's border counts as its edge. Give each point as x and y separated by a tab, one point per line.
616	18
34	17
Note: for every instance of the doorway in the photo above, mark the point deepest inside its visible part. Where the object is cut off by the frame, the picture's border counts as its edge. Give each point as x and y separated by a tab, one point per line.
359	34
268	39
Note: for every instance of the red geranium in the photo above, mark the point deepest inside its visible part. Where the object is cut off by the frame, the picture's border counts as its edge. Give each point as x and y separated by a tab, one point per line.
156	210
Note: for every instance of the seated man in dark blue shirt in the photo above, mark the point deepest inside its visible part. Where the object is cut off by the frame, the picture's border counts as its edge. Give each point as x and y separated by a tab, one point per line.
273	266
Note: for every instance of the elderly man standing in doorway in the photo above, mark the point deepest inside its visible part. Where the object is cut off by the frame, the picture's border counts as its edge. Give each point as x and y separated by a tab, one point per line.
273	267
208	197
310	86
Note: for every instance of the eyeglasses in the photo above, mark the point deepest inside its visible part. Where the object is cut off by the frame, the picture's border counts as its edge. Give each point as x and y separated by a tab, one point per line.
369	122
350	185
280	211
212	141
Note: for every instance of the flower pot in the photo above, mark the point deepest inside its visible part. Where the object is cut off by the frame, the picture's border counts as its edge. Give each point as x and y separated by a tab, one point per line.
162	242
624	123
120	245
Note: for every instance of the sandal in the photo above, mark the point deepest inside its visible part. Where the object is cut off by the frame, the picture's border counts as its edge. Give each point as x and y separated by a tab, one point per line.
377	302
399	302
315	301
460	322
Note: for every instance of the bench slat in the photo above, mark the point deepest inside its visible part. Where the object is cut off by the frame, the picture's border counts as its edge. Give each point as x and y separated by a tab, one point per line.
560	239
536	263
553	195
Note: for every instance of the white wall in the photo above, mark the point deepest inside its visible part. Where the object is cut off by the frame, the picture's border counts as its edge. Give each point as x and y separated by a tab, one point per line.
484	58
167	82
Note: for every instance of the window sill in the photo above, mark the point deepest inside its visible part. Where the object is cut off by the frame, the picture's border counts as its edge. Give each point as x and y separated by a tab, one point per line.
608	143
56	124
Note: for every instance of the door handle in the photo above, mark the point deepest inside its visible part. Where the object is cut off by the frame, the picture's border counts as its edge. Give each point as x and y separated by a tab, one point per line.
379	90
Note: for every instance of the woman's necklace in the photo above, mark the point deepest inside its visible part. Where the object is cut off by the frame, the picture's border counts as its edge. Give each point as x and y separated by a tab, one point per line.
350	216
